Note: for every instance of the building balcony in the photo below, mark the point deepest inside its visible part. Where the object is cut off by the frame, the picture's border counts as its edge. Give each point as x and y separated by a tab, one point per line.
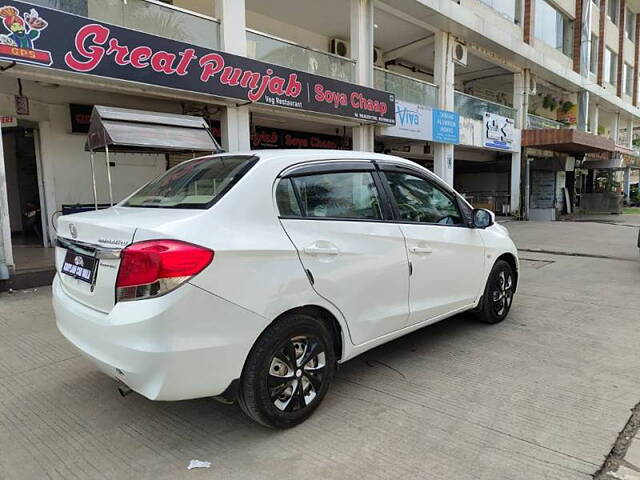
270	49
406	89
149	16
535	122
473	107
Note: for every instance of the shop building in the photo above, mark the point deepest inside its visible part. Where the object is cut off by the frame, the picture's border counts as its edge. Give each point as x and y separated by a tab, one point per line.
468	80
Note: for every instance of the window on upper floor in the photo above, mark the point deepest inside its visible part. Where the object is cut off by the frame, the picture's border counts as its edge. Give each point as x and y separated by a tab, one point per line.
627	78
613	10
593	54
507	8
630	25
610	66
553	27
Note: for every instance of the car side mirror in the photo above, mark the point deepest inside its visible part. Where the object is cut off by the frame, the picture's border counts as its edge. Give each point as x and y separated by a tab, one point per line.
483	218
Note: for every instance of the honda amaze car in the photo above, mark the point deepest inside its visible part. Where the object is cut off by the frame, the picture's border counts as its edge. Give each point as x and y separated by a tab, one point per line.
249	277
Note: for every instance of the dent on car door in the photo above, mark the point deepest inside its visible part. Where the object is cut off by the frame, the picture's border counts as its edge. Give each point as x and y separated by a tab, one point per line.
447	257
353	258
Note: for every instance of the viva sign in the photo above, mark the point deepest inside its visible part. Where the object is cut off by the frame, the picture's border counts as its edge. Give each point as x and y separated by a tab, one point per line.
418	122
53	39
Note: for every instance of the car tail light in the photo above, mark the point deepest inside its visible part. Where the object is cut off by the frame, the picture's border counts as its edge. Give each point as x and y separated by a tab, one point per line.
155	267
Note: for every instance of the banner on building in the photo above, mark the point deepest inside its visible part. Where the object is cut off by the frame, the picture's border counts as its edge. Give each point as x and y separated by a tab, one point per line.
499	132
418	122
55	39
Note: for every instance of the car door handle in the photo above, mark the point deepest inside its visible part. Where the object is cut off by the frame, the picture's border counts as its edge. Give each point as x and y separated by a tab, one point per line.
421	250
320	250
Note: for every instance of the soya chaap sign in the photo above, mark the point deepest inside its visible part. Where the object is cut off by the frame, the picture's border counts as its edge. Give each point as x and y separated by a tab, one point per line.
50	38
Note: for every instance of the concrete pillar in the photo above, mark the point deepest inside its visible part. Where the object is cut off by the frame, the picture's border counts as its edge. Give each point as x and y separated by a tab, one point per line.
235	120
444	77
521	82
594	118
583	109
6	249
627	185
629	133
615	128
361	40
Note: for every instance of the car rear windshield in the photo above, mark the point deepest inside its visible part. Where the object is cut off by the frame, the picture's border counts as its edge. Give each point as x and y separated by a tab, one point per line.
197	183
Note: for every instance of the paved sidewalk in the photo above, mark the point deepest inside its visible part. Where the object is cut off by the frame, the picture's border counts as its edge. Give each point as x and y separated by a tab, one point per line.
581	238
543	395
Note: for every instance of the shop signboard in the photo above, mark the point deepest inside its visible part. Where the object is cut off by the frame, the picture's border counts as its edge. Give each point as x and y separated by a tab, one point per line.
418	122
8	121
58	40
80	117
499	132
265	137
446	126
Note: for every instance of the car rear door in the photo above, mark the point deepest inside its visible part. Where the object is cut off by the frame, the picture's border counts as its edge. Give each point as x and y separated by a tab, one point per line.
335	214
446	256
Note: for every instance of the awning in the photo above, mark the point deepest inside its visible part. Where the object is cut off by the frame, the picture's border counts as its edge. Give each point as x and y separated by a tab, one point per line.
566	140
139	131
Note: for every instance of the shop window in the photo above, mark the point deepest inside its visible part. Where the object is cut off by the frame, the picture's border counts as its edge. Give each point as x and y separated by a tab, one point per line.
553	27
593	54
613	10
610	66
630	24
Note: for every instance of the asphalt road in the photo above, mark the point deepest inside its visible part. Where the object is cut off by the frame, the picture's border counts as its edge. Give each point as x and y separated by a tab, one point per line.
542	395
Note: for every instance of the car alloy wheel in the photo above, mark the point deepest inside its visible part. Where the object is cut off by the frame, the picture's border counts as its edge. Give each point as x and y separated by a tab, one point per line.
502	293
296	373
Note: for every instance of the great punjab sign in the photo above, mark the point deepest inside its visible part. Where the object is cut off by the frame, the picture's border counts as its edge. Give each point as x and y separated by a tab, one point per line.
49	38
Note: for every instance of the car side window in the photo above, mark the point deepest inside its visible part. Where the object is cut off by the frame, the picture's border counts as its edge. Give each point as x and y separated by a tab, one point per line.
339	195
420	201
286	199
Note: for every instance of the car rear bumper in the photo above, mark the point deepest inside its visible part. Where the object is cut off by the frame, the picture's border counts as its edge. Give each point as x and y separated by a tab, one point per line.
187	344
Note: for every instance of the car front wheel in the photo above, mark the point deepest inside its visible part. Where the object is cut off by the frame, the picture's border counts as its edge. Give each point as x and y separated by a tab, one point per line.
288	371
498	293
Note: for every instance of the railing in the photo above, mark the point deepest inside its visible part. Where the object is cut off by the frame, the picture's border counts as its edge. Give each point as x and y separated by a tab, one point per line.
270	49
474	107
150	16
535	122
406	88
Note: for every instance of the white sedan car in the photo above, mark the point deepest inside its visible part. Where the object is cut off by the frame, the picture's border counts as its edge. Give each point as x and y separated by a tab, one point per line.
250	276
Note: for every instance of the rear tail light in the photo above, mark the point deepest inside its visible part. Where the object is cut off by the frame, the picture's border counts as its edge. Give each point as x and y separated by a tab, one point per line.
155	267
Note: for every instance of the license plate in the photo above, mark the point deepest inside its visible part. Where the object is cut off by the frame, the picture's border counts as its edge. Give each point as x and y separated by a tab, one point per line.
82	267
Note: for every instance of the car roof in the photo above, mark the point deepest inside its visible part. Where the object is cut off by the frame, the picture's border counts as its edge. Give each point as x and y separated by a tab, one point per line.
285	158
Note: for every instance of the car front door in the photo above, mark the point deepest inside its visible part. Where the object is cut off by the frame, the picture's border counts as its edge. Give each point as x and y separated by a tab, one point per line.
446	256
335	216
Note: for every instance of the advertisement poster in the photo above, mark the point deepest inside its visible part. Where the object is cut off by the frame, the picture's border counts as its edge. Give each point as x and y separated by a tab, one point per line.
498	131
418	122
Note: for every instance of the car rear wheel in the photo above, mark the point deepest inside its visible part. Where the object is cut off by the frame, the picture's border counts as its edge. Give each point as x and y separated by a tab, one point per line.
498	293
288	371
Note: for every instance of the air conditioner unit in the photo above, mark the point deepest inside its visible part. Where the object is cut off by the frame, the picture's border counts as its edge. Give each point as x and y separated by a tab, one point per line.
340	47
533	86
459	52
378	60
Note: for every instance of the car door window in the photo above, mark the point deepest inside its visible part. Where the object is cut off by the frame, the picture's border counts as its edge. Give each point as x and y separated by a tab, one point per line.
351	195
419	200
286	199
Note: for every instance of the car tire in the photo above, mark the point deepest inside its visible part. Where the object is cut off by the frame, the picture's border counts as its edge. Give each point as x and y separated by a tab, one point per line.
273	391
498	294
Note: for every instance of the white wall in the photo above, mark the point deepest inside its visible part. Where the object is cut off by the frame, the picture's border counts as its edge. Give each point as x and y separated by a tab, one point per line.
286	31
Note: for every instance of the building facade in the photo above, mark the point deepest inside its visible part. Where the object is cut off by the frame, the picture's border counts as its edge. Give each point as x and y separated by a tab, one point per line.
525	106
